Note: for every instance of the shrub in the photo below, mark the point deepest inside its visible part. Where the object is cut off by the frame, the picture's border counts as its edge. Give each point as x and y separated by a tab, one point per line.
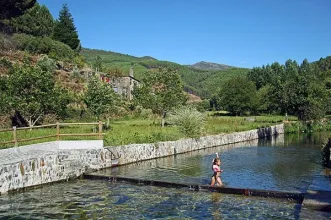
5	63
50	119
5	42
75	73
47	64
79	61
43	45
188	120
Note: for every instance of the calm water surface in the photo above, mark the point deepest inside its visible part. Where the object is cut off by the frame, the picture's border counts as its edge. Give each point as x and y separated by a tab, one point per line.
285	163
276	164
86	199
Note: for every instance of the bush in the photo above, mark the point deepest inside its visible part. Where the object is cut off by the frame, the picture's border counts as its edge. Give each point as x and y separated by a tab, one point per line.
5	63
295	127
75	73
188	120
50	119
43	45
79	61
5	42
47	64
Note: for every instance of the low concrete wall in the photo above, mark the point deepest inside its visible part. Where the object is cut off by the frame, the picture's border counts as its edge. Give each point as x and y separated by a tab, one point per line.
139	152
60	160
49	162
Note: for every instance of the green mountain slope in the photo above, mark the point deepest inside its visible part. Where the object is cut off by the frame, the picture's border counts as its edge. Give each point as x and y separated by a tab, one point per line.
209	66
203	83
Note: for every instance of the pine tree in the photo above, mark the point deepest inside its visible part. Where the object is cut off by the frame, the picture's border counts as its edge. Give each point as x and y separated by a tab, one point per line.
36	21
65	30
13	8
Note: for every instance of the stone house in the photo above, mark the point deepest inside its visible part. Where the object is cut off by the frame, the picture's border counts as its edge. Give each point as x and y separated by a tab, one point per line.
123	85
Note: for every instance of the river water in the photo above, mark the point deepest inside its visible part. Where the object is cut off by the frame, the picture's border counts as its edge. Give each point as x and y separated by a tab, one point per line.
286	163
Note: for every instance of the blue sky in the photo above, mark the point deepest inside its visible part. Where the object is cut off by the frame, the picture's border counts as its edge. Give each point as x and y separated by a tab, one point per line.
243	33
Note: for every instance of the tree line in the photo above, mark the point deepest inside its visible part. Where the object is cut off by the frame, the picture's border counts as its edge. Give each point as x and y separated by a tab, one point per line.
303	90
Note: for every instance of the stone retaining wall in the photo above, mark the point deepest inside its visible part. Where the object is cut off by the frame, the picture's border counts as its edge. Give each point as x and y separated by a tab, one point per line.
139	152
37	164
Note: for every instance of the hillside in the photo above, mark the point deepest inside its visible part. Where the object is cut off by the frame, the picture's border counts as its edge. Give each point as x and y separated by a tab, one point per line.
203	83
209	66
63	71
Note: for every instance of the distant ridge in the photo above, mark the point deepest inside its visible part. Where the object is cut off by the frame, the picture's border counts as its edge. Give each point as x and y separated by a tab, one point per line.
148	58
203	65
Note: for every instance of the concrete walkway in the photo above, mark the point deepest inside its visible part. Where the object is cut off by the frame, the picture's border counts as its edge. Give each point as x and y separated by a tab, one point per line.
318	196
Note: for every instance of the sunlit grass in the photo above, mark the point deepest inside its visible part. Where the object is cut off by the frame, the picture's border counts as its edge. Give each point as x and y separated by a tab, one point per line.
131	131
149	131
41	132
139	131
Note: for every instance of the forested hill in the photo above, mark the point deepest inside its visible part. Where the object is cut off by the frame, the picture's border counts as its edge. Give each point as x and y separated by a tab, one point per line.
209	66
203	83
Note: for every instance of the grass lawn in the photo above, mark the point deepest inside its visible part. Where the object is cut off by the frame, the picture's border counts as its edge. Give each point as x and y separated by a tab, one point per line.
131	131
149	131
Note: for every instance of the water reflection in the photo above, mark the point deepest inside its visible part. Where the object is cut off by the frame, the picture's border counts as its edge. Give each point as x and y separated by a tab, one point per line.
283	163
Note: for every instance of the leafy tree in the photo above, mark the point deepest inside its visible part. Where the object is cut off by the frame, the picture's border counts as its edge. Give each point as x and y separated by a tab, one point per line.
298	90
34	93
100	98
36	21
13	8
283	83
5	98
202	106
314	98
259	75
324	64
161	91
264	103
238	95
65	30
215	103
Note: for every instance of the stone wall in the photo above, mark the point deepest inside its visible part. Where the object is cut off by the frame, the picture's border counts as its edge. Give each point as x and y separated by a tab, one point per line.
49	162
38	164
138	152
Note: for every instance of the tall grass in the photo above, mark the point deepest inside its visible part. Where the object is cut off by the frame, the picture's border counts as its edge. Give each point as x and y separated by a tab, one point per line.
188	120
229	124
139	131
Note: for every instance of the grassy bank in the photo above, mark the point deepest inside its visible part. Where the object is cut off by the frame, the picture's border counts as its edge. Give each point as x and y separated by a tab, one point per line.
129	131
149	131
